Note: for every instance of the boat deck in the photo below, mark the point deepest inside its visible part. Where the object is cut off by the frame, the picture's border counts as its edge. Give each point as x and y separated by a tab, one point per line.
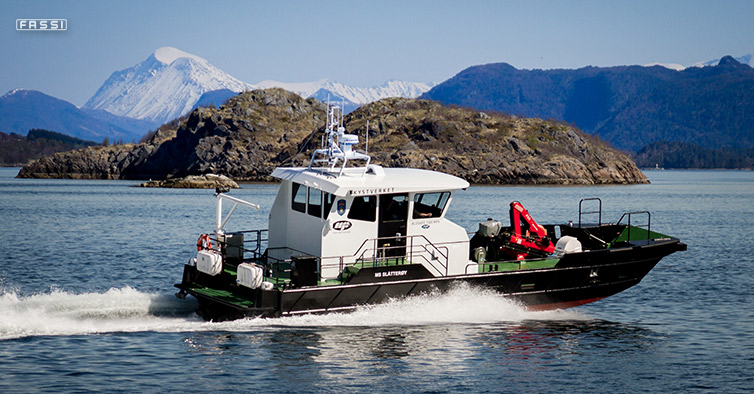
227	296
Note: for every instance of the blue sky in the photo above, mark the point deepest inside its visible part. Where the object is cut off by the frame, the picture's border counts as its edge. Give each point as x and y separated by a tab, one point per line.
361	43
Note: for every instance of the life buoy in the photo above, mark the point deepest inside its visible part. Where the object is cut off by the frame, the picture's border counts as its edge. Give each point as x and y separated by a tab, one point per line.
203	242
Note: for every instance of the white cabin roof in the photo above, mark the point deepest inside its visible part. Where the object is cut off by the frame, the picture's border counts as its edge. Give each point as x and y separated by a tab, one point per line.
354	181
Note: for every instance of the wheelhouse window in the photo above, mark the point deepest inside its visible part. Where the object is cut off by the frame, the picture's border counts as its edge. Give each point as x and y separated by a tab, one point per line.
298	199
315	202
363	208
430	205
329	199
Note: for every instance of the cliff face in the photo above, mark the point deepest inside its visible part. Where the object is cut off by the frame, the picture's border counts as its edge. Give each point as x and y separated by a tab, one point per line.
260	130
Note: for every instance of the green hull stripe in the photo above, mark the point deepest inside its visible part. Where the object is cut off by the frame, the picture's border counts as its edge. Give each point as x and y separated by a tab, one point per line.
517	265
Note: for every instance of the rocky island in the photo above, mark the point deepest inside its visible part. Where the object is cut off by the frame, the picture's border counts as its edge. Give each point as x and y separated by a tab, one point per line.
207	181
259	130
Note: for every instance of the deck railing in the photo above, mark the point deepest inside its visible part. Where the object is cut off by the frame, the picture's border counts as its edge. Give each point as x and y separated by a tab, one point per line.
411	248
376	252
592	212
629	215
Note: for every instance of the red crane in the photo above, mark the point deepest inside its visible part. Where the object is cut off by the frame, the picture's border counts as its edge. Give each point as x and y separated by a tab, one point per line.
533	237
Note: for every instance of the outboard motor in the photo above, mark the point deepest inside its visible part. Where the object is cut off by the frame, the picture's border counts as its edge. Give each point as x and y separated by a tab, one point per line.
567	245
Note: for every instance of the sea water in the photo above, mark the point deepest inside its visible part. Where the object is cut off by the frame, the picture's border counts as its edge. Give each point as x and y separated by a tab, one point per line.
87	304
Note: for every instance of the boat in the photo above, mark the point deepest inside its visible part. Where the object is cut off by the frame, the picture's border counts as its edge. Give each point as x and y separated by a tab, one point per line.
345	233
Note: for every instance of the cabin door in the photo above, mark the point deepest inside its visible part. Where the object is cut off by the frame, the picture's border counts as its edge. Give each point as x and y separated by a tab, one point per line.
393	220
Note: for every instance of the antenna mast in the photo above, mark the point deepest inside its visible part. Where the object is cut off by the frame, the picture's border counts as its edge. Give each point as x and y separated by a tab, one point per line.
337	145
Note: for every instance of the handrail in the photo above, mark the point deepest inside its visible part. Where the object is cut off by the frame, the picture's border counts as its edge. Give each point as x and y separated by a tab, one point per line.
257	242
648	225
413	253
373	255
410	253
599	211
274	266
417	248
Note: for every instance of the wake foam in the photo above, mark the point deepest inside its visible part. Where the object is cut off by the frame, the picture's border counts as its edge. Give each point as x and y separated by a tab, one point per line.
461	305
63	313
128	310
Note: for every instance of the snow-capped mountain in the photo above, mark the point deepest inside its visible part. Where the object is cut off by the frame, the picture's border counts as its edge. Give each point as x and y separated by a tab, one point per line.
170	82
353	94
164	86
672	66
745	59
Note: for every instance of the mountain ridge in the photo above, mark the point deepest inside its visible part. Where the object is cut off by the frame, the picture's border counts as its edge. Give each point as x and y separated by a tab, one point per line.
353	94
629	106
22	110
170	82
166	85
596	111
256	131
159	91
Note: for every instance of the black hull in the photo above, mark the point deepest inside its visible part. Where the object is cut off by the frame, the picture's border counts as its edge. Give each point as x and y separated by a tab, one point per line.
577	279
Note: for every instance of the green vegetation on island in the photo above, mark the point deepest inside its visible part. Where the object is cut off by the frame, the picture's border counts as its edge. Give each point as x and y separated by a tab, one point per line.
17	150
682	155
